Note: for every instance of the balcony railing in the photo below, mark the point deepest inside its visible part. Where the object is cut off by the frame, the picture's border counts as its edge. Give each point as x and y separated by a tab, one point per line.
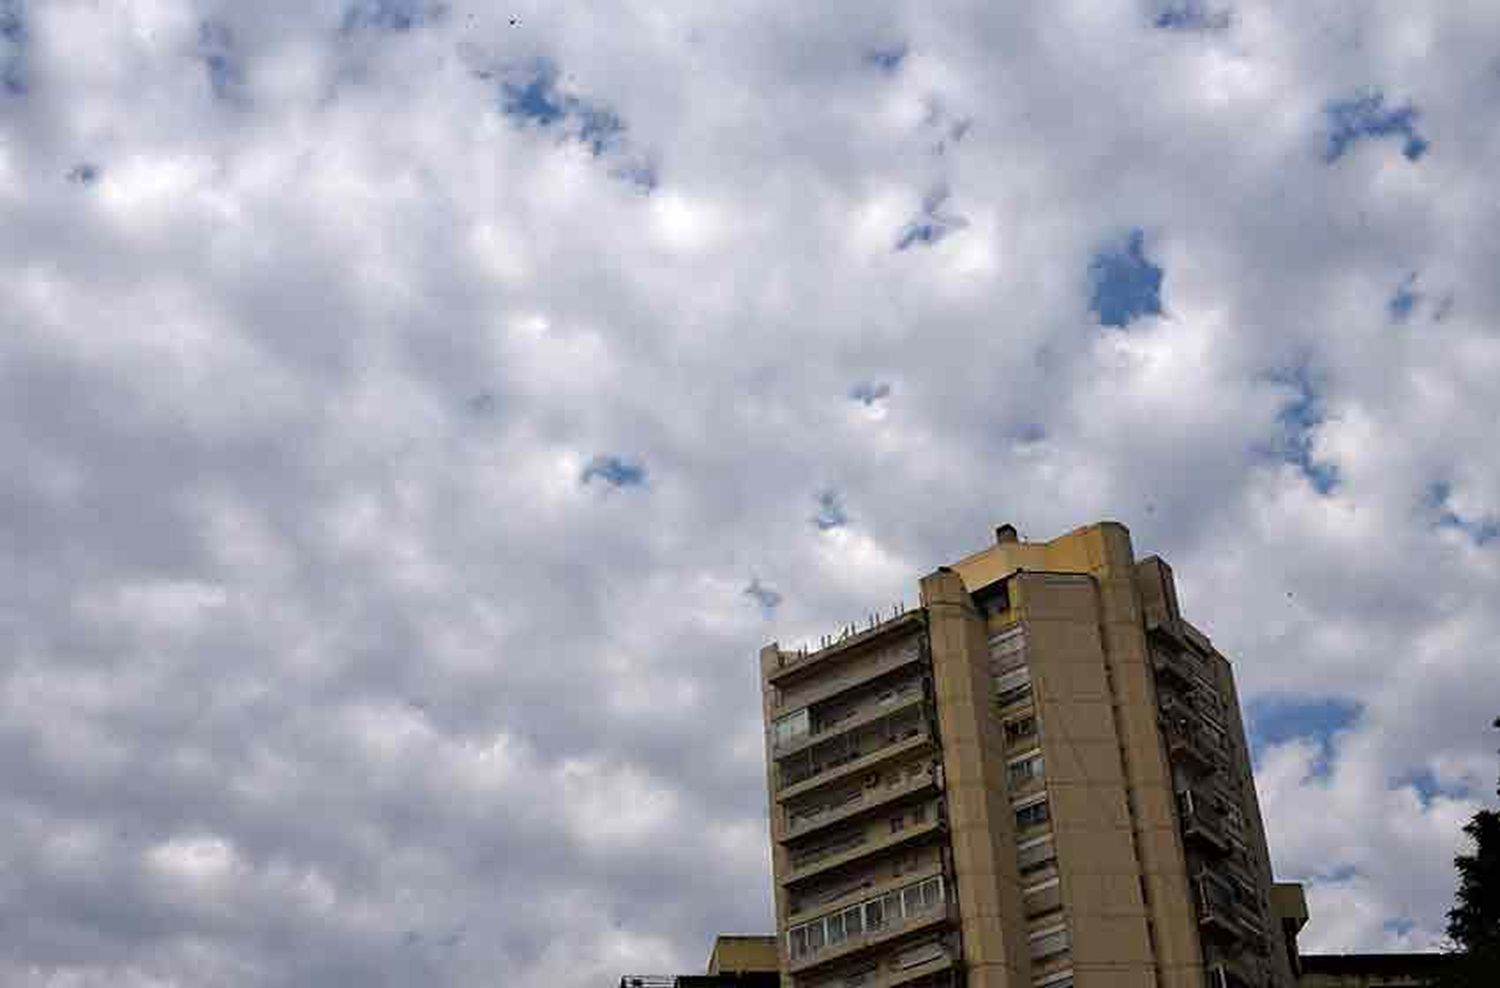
1187	741
861	755
1201	822
1222	911
859	802
810	862
865	924
849	719
1177	666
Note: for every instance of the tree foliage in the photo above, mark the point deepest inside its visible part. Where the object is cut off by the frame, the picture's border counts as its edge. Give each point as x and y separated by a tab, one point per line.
1474	920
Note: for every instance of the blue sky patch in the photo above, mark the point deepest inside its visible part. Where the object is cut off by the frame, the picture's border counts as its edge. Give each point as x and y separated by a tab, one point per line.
1273	721
1192	15
1123	283
831	513
1365	115
1404	300
767	598
534	98
12	48
1298	417
1481	530
226	77
399	16
887	59
1426	784
933	225
615	471
869	392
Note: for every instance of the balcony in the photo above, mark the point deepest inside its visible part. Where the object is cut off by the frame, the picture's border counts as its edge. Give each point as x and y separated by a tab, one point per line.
1202	824
1224	976
1176	666
869	798
849	720
799	780
1192	745
1224	914
810	864
877	921
794	666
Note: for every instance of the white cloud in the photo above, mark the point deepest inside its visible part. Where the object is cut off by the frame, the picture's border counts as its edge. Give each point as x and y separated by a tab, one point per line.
308	610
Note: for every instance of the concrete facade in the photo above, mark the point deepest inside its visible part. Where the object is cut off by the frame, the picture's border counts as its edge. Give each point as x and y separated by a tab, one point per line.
1039	777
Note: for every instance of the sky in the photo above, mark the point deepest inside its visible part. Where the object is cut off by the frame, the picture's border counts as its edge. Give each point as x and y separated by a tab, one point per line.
418	414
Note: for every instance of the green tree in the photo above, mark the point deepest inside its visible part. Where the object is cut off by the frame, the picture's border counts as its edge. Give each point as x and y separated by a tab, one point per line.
1474	920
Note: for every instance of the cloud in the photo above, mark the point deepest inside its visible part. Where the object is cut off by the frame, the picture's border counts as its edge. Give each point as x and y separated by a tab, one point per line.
415	424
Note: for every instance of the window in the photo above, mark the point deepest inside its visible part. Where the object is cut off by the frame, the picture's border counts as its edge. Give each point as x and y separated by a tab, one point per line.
1024	770
875	914
791	727
897	823
1035	854
1020	730
919	813
835	926
921	954
1032	814
1049	942
1043	897
1012	687
1008	649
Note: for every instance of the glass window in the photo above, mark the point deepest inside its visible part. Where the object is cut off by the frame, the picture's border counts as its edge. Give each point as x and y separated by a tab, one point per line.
920	954
835	924
1020	729
911	900
797	937
1025	770
854	921
1049	943
792	726
1035	854
875	914
1032	815
815	935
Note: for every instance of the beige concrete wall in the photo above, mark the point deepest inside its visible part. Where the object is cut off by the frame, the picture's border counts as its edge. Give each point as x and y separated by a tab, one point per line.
1085	781
1169	904
731	954
979	817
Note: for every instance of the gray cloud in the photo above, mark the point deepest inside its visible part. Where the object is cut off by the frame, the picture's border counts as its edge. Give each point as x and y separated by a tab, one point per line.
322	665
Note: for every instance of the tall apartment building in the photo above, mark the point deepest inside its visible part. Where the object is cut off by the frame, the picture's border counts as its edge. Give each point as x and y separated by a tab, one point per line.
1036	779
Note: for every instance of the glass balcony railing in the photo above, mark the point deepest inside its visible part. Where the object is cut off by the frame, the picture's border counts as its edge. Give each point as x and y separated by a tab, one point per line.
874	920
